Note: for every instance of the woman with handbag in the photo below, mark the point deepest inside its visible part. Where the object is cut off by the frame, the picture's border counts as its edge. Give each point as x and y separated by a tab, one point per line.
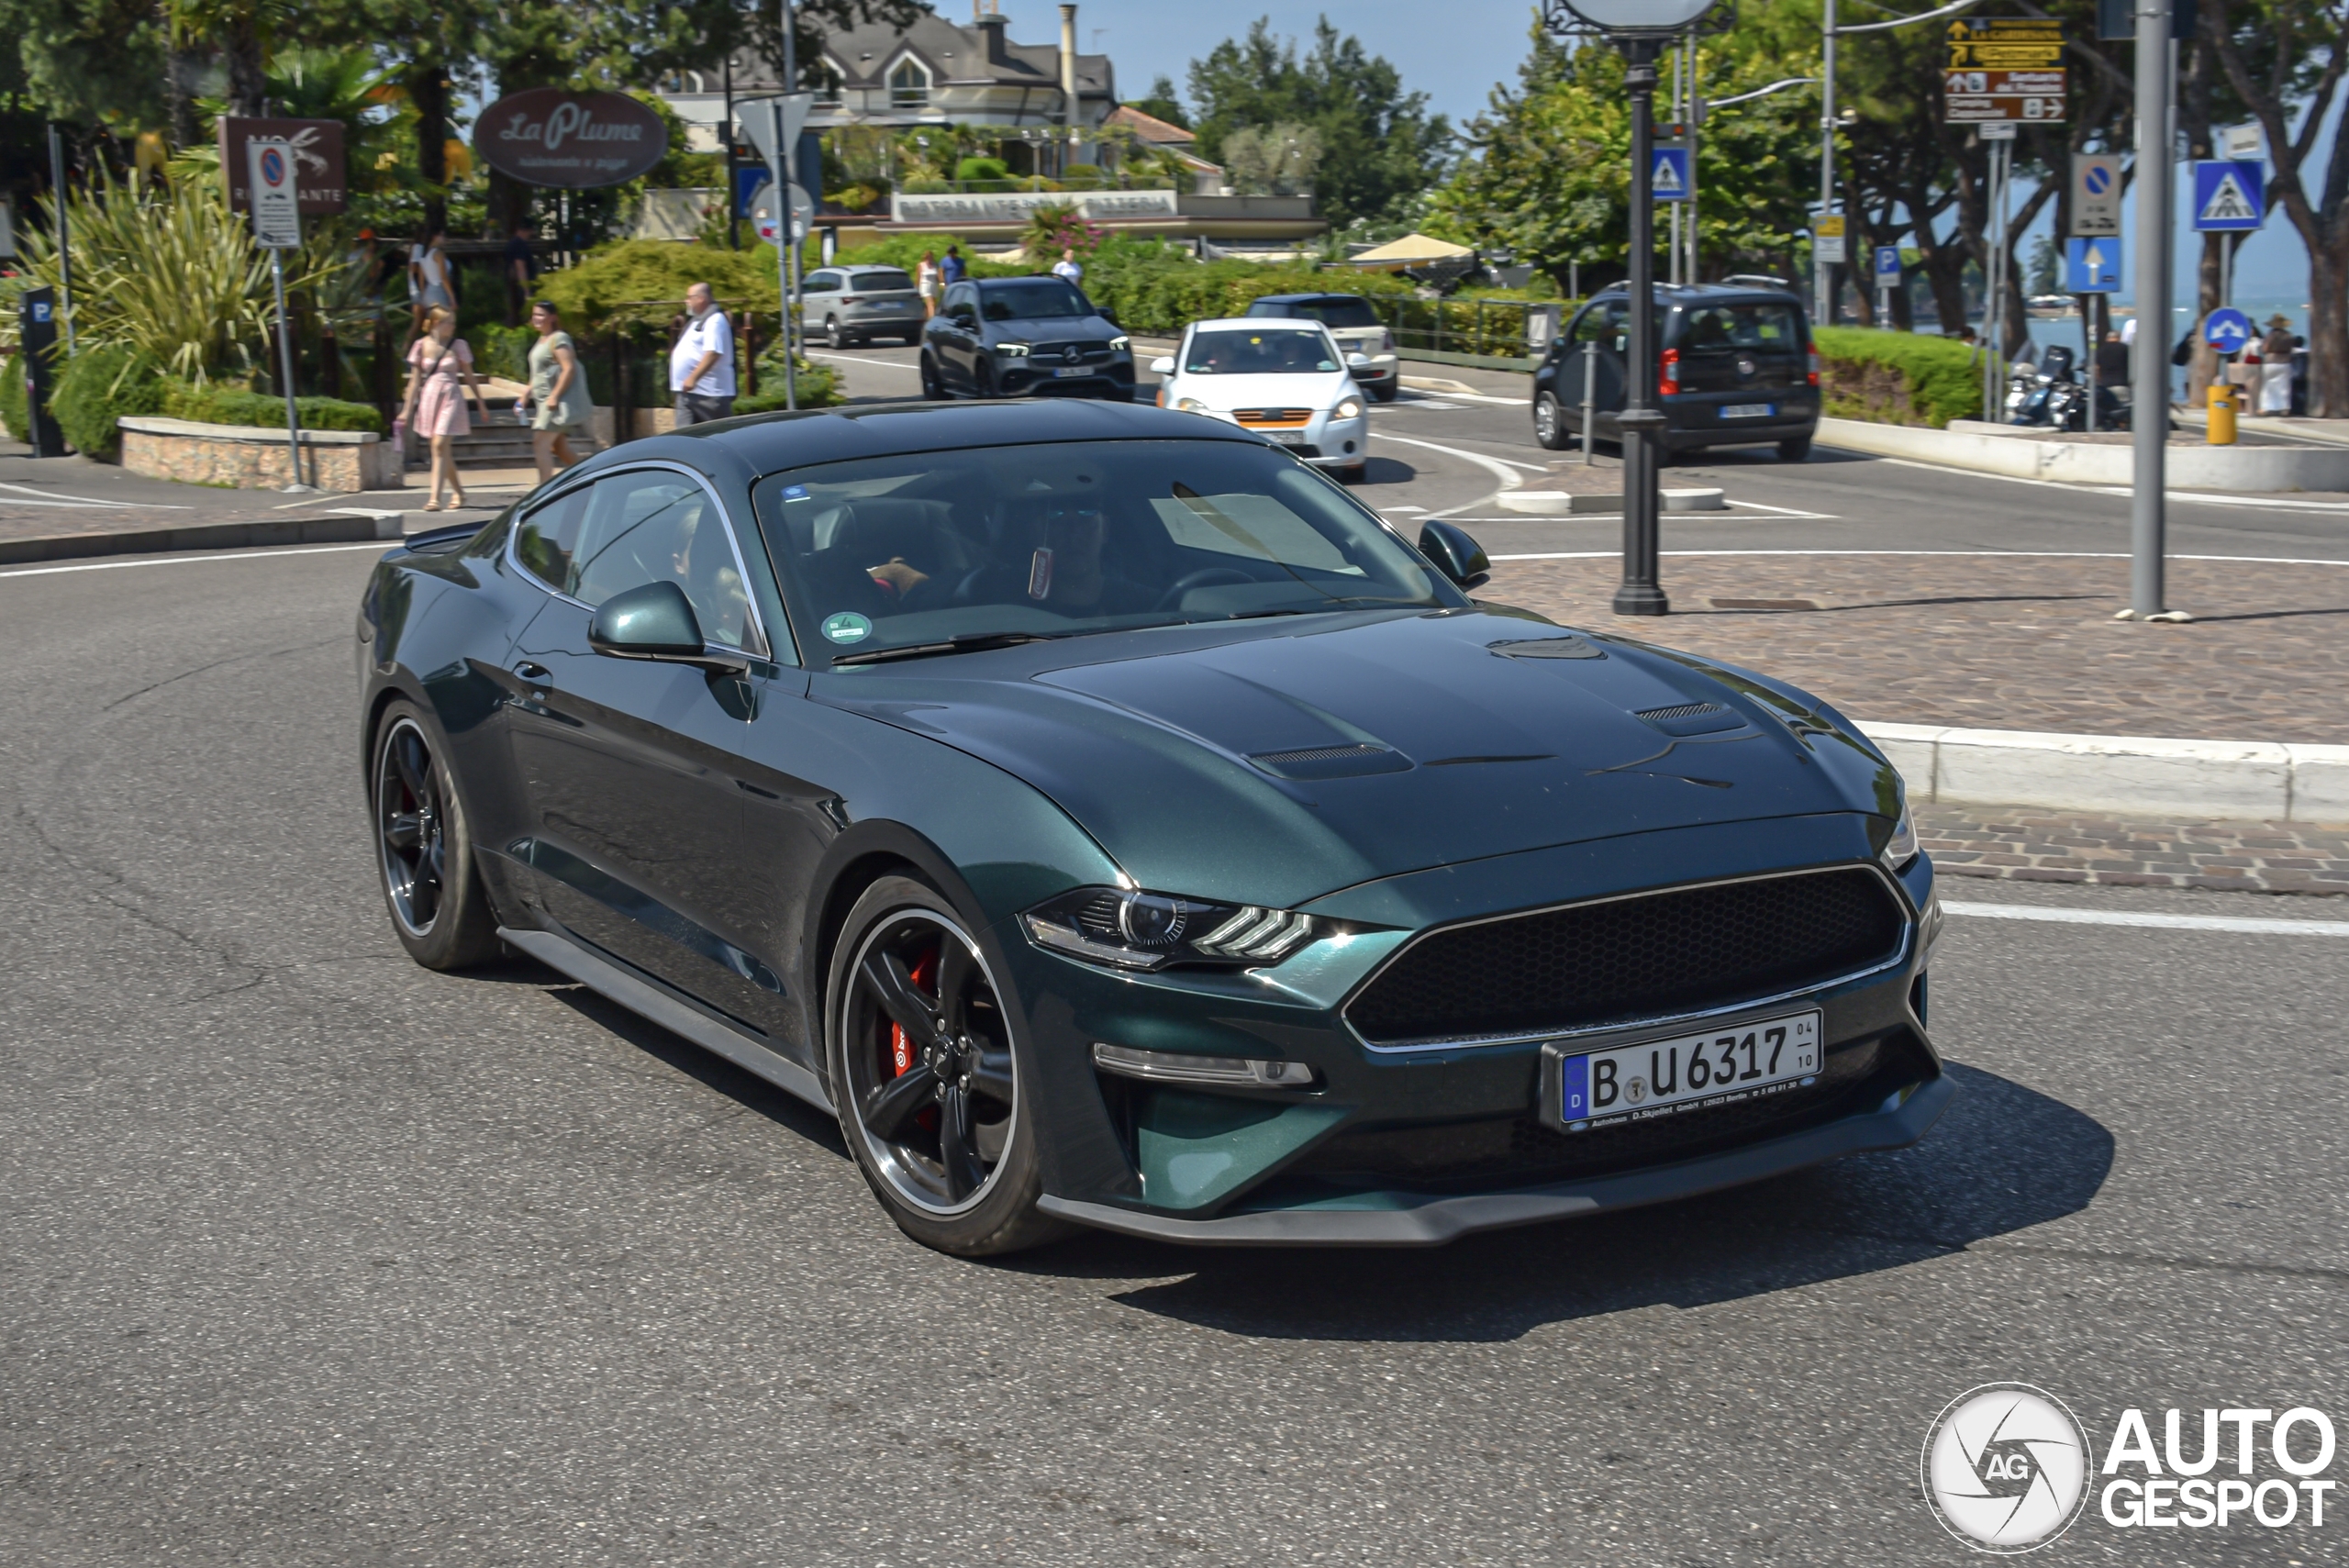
561	406
440	369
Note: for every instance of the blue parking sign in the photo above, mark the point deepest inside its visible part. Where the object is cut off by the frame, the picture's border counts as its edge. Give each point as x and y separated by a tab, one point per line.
2092	266
2230	195
1672	173
1888	264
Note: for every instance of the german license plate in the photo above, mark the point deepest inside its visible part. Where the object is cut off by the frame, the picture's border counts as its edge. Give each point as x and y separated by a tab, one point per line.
1665	1077
1748	410
1287	438
1073	370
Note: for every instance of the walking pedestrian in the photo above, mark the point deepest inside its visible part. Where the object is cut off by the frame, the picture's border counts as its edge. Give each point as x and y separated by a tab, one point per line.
440	369
701	367
1069	268
951	268
2276	367
427	279
926	282
522	271
561	406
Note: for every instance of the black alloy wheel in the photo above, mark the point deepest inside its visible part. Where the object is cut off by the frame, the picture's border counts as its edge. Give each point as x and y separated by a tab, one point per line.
932	389
1549	423
926	1078
440	910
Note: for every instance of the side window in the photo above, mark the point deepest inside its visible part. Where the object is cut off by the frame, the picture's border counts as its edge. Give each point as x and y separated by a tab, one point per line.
963	304
1603	324
821	282
547	538
648	527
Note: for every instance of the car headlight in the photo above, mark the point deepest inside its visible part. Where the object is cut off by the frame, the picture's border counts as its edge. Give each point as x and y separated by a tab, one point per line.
1119	345
1902	848
1348	409
1190	405
1129	929
1012	351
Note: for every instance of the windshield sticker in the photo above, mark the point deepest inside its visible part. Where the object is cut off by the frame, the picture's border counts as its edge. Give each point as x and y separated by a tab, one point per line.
794	492
847	626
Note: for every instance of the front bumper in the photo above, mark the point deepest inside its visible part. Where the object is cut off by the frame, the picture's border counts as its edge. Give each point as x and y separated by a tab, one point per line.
1019	375
1422	1219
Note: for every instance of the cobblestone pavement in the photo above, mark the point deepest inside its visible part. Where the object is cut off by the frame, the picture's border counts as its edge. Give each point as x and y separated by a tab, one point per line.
2024	843
1998	641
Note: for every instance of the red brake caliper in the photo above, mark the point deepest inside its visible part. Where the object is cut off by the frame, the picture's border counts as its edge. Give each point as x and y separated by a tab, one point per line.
902	1054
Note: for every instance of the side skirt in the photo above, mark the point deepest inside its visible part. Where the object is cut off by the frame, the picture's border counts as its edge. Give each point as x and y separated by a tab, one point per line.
643	997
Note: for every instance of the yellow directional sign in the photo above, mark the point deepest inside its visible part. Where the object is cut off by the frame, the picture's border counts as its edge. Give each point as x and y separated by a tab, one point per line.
2006	43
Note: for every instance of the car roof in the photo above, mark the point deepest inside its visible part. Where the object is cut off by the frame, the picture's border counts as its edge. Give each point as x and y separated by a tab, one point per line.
751	445
1301	298
1701	294
1022	278
1258	323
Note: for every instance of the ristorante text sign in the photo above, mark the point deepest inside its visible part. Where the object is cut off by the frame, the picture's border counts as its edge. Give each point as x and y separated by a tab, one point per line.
315	147
547	136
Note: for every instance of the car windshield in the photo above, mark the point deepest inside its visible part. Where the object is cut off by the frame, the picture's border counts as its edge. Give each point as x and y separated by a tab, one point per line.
1042	300
1054	541
1264	350
1740	329
1343	311
879	282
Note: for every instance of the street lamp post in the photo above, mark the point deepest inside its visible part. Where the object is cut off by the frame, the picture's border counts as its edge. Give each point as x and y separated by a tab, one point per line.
1641	29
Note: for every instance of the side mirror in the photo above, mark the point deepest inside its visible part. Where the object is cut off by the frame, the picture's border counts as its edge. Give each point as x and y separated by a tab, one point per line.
656	621
1162	365
1455	555
1357	361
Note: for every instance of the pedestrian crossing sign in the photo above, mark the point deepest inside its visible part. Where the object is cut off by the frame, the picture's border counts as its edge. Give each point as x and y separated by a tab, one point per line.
2229	195
1670	181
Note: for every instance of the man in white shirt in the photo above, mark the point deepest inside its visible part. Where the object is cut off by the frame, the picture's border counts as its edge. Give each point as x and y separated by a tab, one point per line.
701	367
1067	267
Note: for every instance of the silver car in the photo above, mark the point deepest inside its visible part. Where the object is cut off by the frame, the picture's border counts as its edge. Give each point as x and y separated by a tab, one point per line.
855	304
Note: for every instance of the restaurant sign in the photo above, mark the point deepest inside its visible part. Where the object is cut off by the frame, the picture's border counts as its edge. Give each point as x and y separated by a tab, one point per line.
549	136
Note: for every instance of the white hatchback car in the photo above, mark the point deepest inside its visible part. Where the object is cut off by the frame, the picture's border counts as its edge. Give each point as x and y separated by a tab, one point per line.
1286	380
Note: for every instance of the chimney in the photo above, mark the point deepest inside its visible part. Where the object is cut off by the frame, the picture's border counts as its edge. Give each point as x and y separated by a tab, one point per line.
1068	74
991	23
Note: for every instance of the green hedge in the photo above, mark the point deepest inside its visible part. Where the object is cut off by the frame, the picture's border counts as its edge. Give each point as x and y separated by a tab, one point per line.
234	405
655	271
99	386
1898	378
818	387
16	406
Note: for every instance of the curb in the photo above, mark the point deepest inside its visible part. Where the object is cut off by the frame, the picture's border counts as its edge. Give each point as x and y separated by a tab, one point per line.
1564	503
2261	468
343	528
2262	781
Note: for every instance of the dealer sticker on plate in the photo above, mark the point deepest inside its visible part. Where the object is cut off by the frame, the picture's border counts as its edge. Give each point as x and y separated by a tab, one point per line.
1665	1077
1748	410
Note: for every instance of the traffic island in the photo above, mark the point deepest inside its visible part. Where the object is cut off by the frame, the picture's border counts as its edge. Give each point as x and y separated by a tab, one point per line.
2269	465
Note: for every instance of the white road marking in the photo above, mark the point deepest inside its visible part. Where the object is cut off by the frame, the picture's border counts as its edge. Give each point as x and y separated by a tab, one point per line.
1402	508
1483	397
2010	554
52	498
1785	511
1493	463
1413	403
379	545
2121	490
2169	922
861	360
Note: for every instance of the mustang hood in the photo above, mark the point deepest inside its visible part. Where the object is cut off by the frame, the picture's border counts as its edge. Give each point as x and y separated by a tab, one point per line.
1274	762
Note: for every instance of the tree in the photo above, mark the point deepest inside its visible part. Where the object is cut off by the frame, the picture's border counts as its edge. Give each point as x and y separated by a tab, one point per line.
1379	145
96	63
1163	103
2285	58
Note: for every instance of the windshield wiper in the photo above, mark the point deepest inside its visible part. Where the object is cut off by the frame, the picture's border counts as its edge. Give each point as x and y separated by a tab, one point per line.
968	642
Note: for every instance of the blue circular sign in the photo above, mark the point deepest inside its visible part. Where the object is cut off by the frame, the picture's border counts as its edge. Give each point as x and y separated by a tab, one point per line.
2099	180
2227	329
273	166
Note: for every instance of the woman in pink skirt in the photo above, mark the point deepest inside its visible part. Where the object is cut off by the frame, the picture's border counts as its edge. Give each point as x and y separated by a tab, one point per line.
440	367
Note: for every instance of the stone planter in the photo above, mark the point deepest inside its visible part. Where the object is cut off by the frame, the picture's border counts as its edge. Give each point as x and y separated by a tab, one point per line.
246	457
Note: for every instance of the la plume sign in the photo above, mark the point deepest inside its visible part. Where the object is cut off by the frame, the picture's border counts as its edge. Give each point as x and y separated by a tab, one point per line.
547	136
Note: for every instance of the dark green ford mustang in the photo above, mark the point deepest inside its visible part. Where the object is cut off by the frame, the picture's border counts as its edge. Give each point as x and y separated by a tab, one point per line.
1116	824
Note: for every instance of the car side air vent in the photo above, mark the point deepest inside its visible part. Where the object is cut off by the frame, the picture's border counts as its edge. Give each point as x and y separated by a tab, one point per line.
1331	761
1694	718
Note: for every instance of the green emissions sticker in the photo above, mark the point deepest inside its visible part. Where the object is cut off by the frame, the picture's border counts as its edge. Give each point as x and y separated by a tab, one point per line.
847	626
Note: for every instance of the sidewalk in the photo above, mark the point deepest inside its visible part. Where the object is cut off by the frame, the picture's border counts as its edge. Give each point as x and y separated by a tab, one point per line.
2031	845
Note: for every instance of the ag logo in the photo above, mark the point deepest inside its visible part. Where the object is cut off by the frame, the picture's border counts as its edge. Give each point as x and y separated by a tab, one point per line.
2005	1467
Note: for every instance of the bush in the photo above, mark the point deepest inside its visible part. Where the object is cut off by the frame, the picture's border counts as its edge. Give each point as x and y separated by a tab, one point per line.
983	168
906	250
1156	288
1898	378
99	386
503	351
15	404
655	271
235	405
818	387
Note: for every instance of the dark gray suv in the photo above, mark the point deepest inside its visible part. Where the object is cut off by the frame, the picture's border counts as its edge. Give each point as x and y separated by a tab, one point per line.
1013	336
1736	367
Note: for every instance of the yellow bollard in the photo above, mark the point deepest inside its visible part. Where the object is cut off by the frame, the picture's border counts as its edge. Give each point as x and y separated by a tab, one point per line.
2221	429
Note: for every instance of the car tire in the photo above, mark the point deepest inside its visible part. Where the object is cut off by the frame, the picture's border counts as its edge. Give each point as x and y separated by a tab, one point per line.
1386	390
905	966
911	339
424	848
983	382
932	389
1796	450
833	339
1550	422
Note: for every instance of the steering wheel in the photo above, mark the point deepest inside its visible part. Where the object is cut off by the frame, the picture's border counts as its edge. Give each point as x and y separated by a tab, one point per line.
1205	576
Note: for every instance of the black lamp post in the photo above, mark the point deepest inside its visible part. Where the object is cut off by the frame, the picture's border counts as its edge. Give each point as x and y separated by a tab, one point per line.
1640	29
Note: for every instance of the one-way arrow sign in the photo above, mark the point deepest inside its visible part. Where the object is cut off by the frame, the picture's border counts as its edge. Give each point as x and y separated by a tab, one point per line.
2229	195
2092	266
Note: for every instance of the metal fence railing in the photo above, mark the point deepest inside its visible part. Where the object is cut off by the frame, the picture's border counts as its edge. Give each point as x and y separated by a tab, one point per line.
1470	330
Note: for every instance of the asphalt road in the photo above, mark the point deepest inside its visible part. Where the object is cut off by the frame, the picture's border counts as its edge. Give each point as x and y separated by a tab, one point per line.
309	1256
1443	452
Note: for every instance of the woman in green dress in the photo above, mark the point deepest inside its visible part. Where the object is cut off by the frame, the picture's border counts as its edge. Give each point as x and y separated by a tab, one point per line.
560	404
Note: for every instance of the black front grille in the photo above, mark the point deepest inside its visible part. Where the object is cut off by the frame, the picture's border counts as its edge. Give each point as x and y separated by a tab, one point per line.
1058	353
1654	955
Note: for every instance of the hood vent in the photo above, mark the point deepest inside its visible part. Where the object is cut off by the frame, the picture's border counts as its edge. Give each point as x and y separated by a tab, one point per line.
1694	718
1331	761
1567	647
